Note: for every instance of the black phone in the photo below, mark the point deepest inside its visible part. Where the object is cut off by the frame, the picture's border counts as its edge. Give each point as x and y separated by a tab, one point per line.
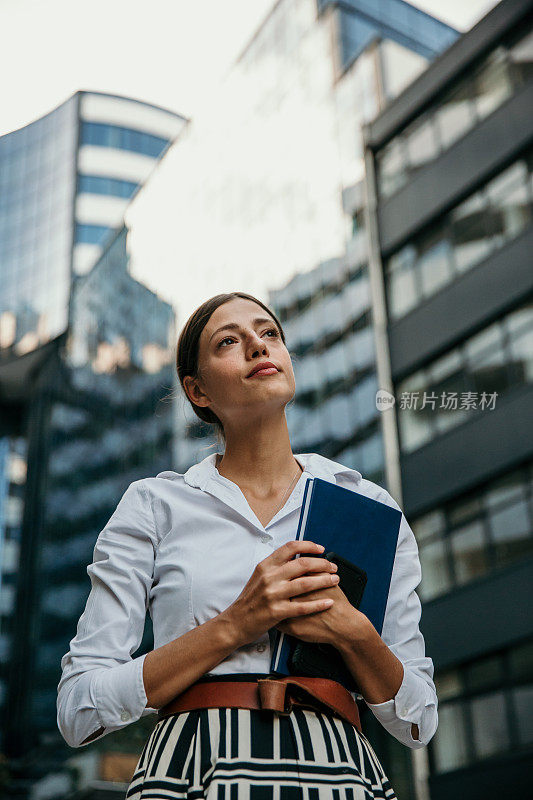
323	660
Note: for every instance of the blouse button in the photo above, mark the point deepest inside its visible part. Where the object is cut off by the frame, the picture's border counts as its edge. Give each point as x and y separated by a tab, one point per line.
124	716
265	539
261	647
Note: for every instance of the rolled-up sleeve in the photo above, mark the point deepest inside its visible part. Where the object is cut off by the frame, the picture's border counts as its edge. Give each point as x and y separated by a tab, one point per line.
101	687
416	699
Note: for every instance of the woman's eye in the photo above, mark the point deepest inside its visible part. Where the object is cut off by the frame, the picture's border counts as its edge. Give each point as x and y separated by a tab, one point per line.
225	339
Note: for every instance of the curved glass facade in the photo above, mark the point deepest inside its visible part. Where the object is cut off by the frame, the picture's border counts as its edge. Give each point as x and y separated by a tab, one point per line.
37	191
105	135
65	182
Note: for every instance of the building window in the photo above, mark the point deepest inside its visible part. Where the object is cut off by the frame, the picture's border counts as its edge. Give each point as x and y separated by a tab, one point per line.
102	134
455	114
421	142
470	100
99	184
492	84
466	380
485	709
358	221
490	529
477	227
469	226
392	167
91	234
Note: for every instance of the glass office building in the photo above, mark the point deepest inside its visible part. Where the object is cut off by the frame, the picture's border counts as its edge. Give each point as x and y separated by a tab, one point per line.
37	191
105	419
65	182
67	351
326	316
453	160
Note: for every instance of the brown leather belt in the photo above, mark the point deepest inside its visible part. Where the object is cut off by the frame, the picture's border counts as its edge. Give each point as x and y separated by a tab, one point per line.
277	694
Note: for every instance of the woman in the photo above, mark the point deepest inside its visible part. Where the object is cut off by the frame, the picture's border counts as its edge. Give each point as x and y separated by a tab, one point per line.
211	554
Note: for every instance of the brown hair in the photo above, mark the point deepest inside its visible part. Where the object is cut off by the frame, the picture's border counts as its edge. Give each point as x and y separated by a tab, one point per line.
188	347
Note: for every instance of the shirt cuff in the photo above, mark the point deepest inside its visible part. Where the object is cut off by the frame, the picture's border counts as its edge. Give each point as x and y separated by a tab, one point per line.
408	706
119	693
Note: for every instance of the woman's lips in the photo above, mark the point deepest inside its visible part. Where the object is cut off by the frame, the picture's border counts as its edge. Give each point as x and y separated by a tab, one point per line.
267	371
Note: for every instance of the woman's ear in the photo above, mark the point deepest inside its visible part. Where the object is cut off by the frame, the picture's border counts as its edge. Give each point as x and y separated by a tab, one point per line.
194	392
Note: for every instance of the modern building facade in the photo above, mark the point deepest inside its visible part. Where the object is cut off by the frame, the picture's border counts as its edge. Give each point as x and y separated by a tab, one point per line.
65	182
103	418
68	354
452	238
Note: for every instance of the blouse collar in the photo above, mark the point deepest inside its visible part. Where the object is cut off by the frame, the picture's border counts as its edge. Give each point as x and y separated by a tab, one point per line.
315	465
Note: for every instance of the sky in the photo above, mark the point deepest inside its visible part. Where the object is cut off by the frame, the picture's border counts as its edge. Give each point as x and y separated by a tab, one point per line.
168	52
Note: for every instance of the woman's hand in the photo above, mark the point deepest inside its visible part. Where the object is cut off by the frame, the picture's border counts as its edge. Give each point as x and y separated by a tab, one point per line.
326	626
274	590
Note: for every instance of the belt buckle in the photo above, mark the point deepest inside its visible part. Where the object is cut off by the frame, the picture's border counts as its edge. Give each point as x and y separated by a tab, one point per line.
268	693
297	697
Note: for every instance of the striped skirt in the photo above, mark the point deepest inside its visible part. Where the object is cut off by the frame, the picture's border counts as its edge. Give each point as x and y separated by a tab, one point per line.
253	754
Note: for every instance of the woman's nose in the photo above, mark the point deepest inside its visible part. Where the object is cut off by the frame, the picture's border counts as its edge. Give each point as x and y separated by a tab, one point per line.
257	343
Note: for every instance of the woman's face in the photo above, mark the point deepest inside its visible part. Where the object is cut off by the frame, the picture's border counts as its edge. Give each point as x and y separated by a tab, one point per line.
226	356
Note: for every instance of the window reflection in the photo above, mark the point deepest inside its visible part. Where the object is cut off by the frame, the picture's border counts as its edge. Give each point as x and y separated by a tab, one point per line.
490	529
489	724
469	552
523	709
434	263
392	169
455	115
421	143
403	291
508	197
449	744
488	365
522	356
435	569
98	184
521	57
37	187
492	85
106	135
481	224
472	99
477	701
469	228
510	530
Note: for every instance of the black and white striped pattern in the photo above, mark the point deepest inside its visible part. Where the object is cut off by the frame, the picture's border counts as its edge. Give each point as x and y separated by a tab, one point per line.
252	754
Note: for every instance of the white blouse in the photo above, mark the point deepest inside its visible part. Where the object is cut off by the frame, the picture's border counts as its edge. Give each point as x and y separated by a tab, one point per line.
183	546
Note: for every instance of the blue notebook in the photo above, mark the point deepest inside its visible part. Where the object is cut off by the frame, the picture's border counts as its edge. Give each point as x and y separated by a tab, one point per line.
360	529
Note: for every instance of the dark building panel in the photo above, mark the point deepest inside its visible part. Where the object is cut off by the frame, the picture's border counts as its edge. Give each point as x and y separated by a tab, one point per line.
446	68
450	316
446	181
492	442
461	617
488	780
452	161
